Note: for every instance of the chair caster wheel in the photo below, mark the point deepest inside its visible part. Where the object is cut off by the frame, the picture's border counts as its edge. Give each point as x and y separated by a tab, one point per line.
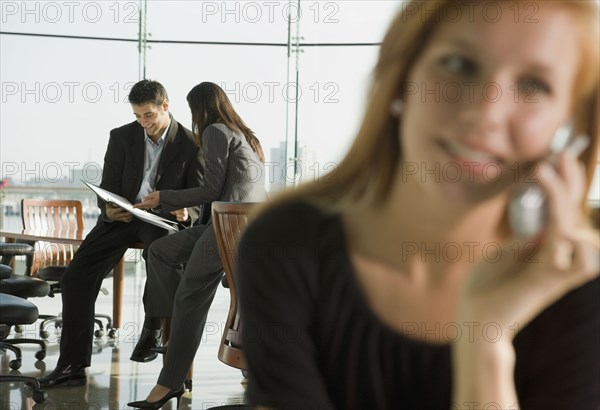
40	355
19	328
99	333
112	333
39	396
15	364
188	384
44	334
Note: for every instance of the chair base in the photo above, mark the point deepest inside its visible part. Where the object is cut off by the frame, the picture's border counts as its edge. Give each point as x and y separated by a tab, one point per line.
9	344
57	320
39	396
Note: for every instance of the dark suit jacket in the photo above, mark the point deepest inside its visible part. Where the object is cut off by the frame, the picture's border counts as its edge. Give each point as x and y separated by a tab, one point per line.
179	164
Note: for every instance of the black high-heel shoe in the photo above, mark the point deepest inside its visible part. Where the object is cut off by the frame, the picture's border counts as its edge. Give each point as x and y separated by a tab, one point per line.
143	404
159	350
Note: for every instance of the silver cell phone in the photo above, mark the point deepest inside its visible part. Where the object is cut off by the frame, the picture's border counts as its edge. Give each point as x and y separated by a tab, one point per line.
527	208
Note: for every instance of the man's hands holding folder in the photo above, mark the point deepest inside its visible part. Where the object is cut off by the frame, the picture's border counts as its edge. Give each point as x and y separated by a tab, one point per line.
116	213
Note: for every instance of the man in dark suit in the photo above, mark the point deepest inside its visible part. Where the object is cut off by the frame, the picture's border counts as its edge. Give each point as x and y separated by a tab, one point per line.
154	152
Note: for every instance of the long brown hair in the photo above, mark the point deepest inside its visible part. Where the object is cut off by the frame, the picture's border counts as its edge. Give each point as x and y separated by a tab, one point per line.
369	168
209	104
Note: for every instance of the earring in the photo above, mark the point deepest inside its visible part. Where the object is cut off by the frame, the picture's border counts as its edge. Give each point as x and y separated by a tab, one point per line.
396	107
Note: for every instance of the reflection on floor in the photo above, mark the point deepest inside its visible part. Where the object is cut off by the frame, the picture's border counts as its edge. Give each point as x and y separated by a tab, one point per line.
114	380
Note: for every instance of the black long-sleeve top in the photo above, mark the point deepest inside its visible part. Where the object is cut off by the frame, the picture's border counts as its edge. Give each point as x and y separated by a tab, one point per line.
312	342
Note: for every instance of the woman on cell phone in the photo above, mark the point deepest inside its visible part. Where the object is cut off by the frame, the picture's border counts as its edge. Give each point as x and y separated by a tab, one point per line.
396	282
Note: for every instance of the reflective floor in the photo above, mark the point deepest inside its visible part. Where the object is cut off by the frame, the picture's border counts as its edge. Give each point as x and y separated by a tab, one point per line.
114	380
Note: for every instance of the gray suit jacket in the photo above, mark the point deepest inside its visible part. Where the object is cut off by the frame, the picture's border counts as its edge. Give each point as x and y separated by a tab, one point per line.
232	173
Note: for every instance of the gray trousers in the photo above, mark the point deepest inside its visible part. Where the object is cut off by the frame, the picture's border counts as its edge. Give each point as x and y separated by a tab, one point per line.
185	295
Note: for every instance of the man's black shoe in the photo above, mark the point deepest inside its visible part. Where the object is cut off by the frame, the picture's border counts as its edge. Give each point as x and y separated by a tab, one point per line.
64	376
149	339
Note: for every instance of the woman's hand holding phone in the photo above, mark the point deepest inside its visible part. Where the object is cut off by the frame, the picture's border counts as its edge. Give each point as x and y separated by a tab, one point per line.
532	275
527	210
506	294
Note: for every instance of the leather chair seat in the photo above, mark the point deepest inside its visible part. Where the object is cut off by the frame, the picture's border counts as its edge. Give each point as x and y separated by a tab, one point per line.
24	287
52	273
5	271
16	311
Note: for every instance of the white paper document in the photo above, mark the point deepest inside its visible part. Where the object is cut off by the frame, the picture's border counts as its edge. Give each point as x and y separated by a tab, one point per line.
125	204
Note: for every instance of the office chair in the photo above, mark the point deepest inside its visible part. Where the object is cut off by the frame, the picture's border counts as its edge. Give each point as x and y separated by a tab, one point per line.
15	310
229	220
21	287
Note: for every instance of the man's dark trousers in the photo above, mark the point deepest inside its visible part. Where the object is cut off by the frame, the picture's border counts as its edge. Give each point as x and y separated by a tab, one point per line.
104	246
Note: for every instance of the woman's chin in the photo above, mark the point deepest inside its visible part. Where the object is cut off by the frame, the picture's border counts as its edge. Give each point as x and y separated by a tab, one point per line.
469	193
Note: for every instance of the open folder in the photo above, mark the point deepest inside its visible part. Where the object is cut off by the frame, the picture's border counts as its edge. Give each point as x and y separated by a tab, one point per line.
139	213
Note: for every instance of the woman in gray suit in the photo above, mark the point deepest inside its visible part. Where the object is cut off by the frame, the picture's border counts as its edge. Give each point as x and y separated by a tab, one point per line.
233	171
